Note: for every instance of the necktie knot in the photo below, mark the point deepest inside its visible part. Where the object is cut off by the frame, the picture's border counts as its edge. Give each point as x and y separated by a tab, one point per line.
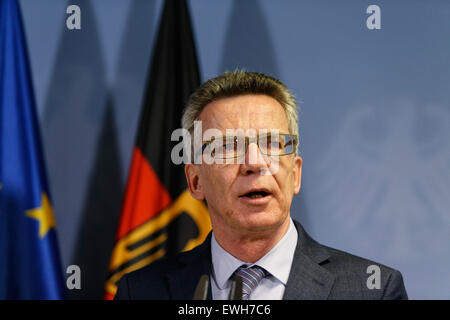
250	279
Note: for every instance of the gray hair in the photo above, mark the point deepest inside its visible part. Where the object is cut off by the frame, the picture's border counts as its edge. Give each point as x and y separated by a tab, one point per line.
236	83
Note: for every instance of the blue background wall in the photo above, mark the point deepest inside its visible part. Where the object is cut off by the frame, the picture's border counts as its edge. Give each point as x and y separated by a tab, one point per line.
374	118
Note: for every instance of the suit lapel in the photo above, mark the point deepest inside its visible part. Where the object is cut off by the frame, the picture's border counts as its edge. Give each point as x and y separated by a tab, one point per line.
307	279
183	281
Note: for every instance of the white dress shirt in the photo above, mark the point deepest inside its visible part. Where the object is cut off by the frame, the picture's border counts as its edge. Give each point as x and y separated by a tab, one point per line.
277	262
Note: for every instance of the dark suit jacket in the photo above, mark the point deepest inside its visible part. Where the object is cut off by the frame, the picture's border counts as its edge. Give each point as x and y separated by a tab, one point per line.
317	272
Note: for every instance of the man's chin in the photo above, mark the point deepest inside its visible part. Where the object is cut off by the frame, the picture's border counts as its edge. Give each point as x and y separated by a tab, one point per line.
259	222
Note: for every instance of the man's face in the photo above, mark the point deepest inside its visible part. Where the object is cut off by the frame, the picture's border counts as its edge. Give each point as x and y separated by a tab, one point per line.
229	188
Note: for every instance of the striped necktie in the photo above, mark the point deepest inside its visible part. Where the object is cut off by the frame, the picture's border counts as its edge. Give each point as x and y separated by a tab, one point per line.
250	279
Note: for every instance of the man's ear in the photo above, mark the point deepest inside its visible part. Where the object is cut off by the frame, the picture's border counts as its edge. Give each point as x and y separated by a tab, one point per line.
297	174
193	180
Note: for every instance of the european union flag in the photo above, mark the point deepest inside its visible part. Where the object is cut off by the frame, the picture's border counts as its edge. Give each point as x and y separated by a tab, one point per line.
30	266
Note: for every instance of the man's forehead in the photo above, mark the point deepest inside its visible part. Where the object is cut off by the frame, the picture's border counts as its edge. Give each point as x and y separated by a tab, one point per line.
244	112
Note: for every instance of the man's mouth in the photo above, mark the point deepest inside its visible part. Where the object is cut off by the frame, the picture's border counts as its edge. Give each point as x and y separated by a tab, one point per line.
256	194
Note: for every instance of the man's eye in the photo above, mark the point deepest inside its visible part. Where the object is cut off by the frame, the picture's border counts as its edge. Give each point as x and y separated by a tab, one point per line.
274	143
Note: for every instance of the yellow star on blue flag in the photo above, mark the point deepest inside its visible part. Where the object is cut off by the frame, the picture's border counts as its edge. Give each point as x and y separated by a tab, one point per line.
43	214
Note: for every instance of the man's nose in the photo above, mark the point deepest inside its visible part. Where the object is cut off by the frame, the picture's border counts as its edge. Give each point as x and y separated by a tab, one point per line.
254	160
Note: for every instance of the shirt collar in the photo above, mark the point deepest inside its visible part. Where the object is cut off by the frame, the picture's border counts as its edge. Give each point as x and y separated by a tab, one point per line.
277	261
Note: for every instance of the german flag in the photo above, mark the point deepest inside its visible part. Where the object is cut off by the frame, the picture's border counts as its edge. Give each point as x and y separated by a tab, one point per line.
159	217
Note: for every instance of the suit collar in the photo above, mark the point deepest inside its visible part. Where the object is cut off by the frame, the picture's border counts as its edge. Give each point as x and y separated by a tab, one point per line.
277	261
308	279
194	264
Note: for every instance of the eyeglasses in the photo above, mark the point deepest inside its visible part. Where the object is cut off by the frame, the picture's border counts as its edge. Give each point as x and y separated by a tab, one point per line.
229	147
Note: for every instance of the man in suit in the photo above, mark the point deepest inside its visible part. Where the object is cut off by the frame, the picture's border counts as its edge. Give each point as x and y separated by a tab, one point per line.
248	173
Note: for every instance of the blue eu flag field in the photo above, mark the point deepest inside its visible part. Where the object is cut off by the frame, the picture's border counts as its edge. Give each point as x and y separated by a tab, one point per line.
30	266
